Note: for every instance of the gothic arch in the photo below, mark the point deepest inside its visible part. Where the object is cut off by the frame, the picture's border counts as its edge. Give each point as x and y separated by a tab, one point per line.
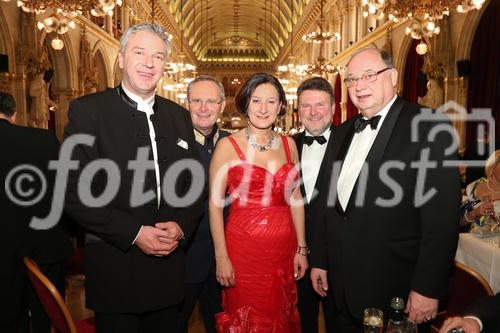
117	73
400	62
64	84
64	63
7	42
100	59
466	37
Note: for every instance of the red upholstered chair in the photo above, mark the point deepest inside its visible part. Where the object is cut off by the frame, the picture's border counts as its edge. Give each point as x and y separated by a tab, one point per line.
53	303
466	286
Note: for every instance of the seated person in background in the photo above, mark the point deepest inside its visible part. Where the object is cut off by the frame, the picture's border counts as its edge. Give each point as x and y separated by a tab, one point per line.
483	196
474	153
483	316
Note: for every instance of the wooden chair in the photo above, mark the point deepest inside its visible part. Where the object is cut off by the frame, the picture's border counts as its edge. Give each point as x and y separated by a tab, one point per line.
53	303
466	286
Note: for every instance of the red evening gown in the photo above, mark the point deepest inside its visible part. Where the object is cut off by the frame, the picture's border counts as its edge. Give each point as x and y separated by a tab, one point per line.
261	243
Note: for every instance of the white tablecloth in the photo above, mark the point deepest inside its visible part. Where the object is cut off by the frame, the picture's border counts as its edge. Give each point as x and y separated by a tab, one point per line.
483	255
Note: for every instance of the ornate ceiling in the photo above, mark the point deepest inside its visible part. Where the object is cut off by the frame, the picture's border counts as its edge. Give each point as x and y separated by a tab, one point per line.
239	30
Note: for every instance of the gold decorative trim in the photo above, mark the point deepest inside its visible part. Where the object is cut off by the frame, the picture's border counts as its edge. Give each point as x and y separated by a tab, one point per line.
364	42
95	30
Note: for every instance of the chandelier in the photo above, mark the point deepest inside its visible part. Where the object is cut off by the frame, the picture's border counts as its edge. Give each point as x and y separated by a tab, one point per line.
176	72
65	13
423	14
321	67
294	72
320	36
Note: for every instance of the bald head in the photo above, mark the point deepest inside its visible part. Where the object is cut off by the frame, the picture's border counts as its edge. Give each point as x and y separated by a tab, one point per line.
371	80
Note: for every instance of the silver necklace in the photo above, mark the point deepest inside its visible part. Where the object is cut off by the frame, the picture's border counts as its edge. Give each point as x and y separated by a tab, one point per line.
255	145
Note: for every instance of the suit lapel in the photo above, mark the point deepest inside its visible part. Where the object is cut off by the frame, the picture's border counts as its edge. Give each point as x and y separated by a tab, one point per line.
340	146
299	141
374	157
322	184
377	151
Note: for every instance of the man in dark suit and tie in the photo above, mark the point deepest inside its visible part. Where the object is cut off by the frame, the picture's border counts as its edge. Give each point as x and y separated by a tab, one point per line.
391	225
316	108
206	102
135	272
26	153
482	316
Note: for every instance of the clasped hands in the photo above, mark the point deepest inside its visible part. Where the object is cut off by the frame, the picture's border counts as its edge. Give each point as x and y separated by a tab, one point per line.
160	240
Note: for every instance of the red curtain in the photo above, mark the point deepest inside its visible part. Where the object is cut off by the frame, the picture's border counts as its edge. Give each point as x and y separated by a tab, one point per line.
414	82
484	79
352	111
337	92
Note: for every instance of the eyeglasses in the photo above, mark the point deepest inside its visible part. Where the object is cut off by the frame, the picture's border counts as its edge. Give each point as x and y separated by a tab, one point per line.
368	77
210	103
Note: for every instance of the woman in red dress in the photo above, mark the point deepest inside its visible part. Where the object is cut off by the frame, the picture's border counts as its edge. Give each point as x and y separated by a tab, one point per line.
261	249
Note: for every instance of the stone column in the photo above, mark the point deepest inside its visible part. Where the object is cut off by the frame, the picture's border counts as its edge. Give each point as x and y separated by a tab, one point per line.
62	98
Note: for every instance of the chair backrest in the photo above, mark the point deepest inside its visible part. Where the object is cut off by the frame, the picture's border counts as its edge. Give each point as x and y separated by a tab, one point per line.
467	286
52	302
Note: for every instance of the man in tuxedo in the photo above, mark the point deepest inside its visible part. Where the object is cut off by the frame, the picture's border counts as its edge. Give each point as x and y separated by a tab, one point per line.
391	222
316	108
26	153
206	100
482	316
142	143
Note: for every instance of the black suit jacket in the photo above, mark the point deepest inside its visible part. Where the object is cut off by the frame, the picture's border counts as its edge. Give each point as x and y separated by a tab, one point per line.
488	310
35	147
200	255
373	252
314	210
120	277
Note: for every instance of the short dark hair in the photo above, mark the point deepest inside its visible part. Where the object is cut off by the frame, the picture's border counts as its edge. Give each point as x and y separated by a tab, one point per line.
208	78
316	83
384	55
242	98
7	104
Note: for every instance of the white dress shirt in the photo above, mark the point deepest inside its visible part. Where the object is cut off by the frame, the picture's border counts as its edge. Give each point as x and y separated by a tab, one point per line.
356	155
311	159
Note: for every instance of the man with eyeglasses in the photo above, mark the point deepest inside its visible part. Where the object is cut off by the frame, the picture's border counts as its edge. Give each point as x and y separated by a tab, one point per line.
206	102
390	227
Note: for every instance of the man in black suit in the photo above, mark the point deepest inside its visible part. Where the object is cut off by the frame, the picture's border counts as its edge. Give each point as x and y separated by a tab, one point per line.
26	153
316	109
391	223
143	142
206	102
482	316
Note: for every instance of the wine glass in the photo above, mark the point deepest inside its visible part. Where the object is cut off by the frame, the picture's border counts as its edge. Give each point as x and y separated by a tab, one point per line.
373	320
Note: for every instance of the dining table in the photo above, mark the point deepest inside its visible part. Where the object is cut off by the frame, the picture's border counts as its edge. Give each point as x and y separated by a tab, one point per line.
481	254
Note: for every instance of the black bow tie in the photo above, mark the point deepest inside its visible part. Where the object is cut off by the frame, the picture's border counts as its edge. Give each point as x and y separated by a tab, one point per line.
360	123
308	140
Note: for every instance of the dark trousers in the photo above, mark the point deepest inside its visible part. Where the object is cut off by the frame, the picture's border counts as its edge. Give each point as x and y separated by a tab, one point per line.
308	304
349	324
208	293
56	273
164	320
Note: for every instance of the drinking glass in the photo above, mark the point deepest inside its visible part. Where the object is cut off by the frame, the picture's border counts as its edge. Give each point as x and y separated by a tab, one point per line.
373	320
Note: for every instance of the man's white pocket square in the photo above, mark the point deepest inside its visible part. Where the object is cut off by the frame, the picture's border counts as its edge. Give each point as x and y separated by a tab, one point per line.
182	143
